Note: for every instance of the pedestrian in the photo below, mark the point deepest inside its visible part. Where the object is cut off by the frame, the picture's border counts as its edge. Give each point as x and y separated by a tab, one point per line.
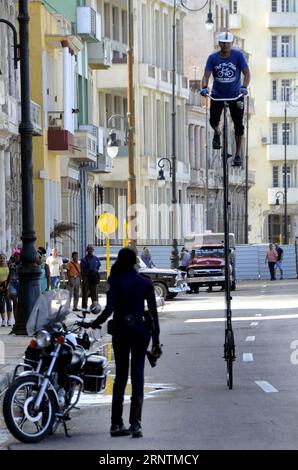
13	286
184	258
90	276
146	257
133	328
55	264
271	258
74	279
226	67
45	278
280	257
4	296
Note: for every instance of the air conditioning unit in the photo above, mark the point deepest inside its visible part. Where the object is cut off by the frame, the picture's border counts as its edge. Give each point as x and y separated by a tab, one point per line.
265	140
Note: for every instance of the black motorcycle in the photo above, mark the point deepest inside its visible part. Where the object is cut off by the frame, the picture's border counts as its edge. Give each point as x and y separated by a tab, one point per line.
57	368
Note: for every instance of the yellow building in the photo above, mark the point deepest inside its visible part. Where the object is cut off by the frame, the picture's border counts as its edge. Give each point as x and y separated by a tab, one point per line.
52	67
270	29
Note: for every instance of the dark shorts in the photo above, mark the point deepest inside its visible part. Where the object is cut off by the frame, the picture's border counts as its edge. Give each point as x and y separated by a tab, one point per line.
236	110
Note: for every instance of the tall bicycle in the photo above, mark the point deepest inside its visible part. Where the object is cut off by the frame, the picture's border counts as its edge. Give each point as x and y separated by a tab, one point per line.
229	345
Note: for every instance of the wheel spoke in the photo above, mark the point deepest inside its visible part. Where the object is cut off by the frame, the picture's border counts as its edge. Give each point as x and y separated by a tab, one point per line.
24	419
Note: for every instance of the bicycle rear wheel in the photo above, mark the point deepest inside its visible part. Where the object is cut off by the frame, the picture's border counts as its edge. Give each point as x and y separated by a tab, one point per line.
229	356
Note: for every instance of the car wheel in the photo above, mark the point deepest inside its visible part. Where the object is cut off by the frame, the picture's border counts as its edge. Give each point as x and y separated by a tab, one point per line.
161	290
172	295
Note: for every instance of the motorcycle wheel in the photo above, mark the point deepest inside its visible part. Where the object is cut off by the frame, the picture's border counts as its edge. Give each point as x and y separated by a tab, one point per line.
24	423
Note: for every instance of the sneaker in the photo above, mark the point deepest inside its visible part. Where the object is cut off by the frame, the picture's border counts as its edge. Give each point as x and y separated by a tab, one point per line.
118	430
216	141
136	431
3	323
9	323
237	161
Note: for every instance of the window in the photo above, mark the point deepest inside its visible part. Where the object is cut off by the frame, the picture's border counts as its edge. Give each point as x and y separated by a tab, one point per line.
233	7
107	20
286	133
274	133
288	176
276	227
285	5
124	27
274	90
275	178
274	6
115	19
285	90
285	46
274	46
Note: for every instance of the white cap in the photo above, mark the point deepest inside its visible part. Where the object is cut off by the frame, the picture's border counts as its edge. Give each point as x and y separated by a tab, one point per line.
225	37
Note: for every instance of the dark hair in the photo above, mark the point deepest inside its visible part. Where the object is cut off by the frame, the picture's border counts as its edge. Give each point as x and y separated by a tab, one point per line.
74	253
41	250
126	260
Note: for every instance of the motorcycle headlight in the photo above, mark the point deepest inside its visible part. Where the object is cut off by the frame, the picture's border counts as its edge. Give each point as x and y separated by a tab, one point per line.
191	273
43	339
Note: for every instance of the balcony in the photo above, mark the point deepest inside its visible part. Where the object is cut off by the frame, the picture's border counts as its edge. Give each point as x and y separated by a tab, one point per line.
292	196
114	77
282	64
59	139
88	24
277	152
276	109
282	20
235	21
100	55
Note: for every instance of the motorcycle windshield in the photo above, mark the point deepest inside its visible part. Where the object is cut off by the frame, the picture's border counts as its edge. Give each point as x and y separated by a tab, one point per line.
50	307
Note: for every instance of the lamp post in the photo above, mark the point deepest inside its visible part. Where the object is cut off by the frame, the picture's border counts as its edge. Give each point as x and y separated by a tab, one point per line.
246	176
29	273
286	241
277	205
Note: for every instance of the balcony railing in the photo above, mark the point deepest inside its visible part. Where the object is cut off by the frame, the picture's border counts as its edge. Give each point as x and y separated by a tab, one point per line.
59	139
35	110
100	55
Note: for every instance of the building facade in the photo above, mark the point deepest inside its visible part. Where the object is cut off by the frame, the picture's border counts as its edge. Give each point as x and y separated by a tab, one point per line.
10	158
273	48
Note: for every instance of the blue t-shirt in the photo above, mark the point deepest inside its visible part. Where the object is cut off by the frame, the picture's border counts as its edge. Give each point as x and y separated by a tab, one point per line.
226	73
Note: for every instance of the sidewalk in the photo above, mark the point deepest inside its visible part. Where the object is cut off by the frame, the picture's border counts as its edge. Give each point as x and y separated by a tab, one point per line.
13	348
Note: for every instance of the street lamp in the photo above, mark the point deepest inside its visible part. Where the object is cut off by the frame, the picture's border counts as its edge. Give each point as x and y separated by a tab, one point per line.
29	273
113	145
209	25
277	205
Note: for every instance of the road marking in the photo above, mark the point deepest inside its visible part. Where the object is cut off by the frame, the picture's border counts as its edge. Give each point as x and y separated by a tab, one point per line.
222	319
266	386
250	338
258	314
248	357
254	323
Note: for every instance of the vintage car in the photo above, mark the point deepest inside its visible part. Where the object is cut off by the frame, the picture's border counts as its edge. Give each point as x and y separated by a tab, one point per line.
168	283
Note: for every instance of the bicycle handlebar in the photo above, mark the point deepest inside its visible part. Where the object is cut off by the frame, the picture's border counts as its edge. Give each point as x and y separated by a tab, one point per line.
224	99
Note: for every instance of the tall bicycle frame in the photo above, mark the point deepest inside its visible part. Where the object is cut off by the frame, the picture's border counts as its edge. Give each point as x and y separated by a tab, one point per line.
229	345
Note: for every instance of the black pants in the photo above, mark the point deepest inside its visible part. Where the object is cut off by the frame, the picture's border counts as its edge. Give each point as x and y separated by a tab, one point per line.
88	289
135	342
236	110
271	265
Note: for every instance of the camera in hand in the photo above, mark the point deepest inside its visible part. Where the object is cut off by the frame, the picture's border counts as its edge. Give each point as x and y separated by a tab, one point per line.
154	354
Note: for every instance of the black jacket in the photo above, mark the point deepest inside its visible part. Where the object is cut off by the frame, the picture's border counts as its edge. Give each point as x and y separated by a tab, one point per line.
126	296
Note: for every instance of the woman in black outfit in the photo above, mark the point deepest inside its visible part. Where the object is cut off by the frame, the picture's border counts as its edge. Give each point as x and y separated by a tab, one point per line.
133	328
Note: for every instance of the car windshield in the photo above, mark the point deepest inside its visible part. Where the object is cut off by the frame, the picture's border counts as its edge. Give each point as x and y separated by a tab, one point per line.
210	253
49	308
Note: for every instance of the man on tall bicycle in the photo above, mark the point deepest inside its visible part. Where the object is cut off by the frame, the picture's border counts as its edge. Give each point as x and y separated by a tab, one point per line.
226	67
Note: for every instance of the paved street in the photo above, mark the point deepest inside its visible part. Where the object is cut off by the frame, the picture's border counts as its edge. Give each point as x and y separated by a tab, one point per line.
188	405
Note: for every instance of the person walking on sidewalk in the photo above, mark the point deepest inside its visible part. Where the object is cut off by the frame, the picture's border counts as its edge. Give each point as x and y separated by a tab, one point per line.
74	279
133	328
4	297
280	257
45	278
271	258
90	276
13	286
55	264
226	67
